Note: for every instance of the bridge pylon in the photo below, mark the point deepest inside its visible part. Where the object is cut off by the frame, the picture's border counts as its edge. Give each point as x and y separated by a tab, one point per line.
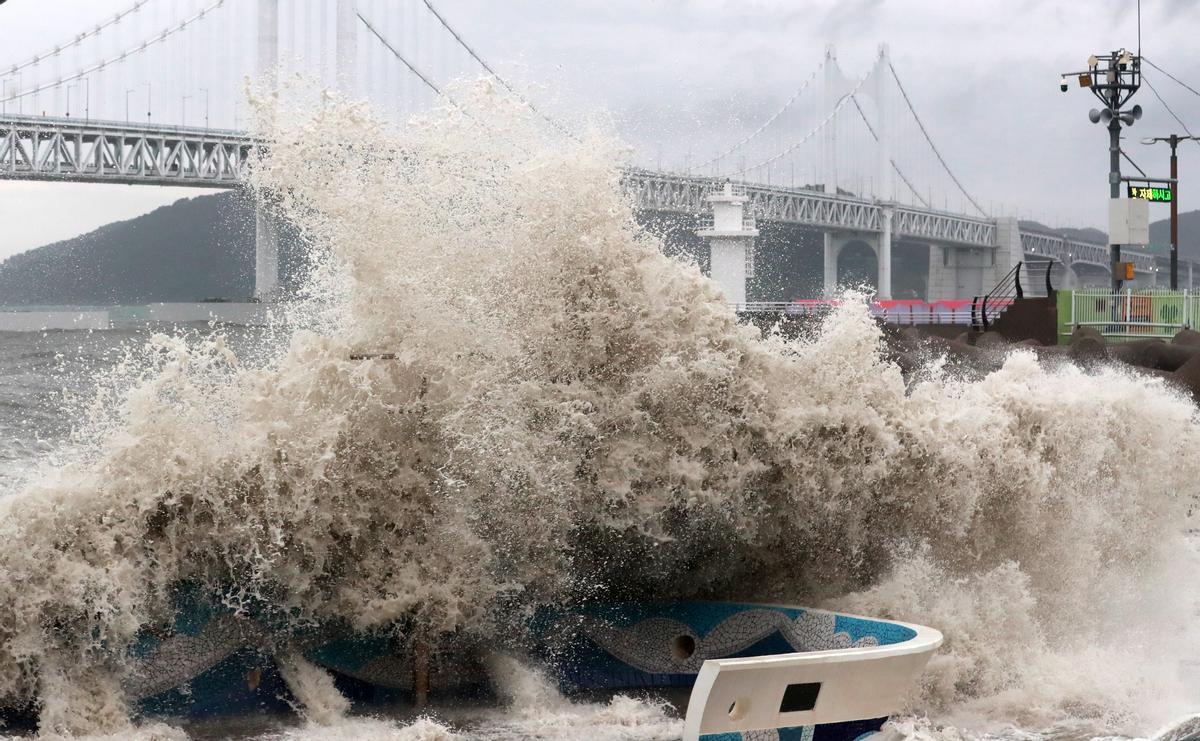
268	40
885	189
347	45
835	86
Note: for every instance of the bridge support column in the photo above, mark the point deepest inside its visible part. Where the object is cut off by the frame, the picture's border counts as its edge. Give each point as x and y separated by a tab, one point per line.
966	272
962	272
832	248
266	254
835	242
943	274
731	242
1070	277
1009	251
884	256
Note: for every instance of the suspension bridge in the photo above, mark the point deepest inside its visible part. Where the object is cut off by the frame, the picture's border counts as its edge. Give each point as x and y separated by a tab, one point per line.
154	95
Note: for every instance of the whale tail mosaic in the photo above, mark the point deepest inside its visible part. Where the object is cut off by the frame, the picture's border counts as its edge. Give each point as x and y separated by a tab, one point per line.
759	672
753	671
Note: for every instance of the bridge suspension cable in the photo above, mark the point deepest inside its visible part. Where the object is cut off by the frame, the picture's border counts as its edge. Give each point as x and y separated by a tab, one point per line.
895	167
1178	120
929	139
471	51
813	132
157	38
1178	81
77	40
411	67
766	123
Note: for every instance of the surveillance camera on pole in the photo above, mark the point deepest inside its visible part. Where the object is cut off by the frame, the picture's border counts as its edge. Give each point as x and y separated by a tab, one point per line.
1113	78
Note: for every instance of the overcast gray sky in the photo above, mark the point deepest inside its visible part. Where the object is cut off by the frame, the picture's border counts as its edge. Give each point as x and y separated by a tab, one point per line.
680	77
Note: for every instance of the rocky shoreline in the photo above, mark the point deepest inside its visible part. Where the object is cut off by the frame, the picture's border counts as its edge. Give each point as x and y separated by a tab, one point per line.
1177	361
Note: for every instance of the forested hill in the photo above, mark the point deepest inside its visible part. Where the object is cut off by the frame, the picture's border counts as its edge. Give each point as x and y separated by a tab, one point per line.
194	249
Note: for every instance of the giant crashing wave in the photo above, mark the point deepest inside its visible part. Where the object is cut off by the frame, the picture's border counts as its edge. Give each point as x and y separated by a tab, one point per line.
566	415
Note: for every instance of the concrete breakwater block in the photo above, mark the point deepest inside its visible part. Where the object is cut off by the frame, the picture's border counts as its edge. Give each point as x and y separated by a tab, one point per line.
1088	351
1177	361
1188	376
1187	337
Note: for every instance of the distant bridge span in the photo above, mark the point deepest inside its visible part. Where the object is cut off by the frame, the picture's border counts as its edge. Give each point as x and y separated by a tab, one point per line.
74	150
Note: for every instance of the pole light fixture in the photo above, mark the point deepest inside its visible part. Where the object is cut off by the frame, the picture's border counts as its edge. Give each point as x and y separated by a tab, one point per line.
1173	140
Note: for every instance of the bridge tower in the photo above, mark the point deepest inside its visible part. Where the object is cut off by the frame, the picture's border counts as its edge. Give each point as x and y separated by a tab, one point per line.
266	230
885	187
833	90
836	88
347	45
268	40
731	241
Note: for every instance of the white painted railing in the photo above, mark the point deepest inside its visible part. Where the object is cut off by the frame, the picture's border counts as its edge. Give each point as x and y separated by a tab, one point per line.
706	222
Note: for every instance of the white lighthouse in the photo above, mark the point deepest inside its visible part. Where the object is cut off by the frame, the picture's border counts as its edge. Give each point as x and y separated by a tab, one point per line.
730	238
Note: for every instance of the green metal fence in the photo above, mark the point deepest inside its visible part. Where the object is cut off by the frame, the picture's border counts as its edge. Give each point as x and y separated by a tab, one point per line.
1131	314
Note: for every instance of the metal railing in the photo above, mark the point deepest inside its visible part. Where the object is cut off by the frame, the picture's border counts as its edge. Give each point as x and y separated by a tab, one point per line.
781	307
987	308
925	314
1038	284
706	223
908	314
1134	314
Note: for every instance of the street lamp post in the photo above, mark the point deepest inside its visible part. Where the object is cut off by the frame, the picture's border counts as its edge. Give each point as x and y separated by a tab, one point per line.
1173	140
1113	84
87	99
69	100
149	101
205	91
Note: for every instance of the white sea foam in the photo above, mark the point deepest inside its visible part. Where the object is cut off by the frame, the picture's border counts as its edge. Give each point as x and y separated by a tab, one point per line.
570	414
370	729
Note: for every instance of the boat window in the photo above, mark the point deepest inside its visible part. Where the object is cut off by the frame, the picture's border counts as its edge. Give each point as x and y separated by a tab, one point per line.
798	697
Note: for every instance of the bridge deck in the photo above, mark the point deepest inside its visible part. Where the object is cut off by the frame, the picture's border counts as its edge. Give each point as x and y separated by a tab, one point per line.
75	150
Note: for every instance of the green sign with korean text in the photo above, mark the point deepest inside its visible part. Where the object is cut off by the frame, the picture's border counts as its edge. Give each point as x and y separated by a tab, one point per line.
1149	193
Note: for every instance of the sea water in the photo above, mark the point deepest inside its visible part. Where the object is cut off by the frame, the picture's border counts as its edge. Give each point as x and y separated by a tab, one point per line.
565	414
